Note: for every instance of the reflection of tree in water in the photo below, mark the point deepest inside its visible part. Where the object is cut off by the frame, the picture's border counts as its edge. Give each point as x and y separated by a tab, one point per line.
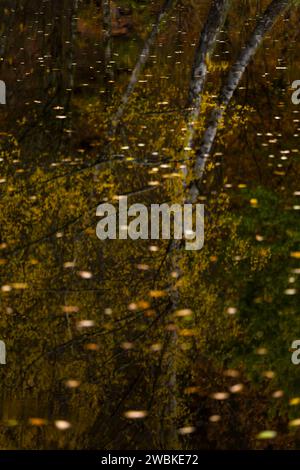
88	325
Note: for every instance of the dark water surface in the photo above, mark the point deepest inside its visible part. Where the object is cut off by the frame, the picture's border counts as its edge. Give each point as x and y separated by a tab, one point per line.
99	354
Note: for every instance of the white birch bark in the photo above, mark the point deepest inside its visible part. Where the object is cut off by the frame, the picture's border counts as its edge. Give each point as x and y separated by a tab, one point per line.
266	22
216	17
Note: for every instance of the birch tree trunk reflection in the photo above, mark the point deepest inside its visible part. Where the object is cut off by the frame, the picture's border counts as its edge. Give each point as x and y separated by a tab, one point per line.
106	13
139	65
207	40
236	72
209	34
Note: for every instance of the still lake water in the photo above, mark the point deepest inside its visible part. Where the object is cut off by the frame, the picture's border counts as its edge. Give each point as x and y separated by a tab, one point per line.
108	347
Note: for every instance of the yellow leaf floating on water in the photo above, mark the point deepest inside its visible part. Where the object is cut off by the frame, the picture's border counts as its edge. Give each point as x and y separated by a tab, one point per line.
295	401
157	293
135	414
187	332
268	434
37	421
132	306
6	288
214	418
191	390
143	304
139	305
69	264
185	312
231	373
62	425
156	347
70	308
261	351
231	310
278	394
85	274
236	388
20	285
220	395
186	430
290	291
143	267
85	324
269	374
72	383
92	347
294	422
